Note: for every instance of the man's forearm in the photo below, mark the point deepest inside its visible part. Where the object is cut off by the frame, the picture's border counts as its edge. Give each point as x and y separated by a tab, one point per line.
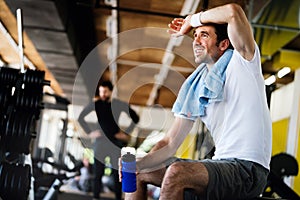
155	158
159	145
167	147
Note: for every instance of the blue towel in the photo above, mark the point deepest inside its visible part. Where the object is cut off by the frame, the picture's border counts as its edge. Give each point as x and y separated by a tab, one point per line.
202	87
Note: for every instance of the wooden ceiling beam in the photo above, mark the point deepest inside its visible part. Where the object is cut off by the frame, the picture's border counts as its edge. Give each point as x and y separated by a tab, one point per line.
9	54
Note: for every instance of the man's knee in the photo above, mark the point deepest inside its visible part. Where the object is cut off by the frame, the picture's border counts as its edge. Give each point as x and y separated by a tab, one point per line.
183	175
172	174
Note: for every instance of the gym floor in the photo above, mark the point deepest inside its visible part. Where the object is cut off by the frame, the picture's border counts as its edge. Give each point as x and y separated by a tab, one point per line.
68	193
77	196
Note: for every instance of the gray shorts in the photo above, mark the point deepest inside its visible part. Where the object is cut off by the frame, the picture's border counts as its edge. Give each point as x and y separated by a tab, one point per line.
232	179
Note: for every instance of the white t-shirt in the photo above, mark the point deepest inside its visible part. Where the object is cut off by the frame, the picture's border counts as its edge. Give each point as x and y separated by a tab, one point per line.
240	124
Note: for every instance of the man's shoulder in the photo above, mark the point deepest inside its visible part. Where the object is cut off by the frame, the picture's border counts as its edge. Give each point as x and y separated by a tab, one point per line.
115	100
97	101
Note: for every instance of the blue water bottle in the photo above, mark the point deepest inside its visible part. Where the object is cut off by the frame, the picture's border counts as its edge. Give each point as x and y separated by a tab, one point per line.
128	172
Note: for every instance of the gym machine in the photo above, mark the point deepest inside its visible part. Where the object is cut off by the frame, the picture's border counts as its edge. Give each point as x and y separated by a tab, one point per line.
21	93
282	165
20	104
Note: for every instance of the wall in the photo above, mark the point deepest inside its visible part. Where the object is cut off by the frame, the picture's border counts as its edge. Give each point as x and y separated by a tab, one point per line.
281	108
285	109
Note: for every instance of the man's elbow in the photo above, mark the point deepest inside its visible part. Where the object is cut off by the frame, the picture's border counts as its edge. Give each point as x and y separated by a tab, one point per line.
235	11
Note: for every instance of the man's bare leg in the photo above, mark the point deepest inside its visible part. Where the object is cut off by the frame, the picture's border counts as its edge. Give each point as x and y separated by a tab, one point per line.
143	179
181	175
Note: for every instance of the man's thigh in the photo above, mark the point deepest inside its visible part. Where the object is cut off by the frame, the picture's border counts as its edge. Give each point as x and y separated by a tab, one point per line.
224	179
235	179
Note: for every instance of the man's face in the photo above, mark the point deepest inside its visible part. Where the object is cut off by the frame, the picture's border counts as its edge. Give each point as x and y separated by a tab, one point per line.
204	45
104	93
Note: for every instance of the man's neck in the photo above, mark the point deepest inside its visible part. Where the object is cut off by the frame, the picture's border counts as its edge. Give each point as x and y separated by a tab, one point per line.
209	66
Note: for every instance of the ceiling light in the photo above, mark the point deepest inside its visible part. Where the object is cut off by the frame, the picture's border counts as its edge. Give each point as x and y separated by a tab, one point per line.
270	80
112	3
284	71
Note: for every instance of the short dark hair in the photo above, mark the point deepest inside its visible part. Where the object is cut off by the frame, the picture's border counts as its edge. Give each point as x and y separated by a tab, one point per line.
107	84
221	32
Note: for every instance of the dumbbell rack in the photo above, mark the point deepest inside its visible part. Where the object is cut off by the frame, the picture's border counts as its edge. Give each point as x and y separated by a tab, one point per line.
21	95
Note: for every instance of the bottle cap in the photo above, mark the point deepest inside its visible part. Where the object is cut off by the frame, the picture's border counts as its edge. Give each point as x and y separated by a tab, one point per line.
125	150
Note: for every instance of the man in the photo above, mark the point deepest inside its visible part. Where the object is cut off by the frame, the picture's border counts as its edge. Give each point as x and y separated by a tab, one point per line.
109	138
227	92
